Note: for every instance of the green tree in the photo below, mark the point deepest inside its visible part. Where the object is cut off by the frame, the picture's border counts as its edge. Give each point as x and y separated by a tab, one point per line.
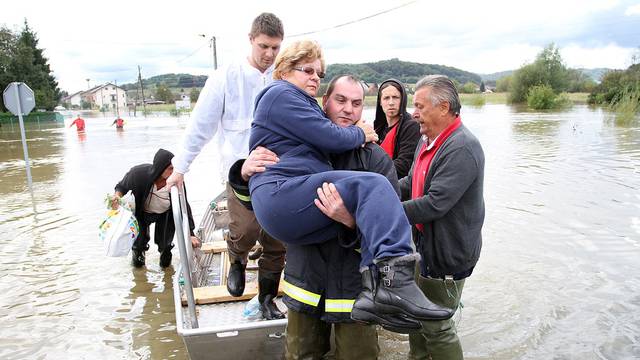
164	94
503	84
30	66
194	95
482	87
7	51
547	69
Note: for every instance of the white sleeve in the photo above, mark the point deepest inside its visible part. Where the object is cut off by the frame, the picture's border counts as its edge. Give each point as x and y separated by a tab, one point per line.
205	119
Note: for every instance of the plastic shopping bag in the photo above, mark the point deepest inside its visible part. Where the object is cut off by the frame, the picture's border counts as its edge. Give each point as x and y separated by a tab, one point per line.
118	231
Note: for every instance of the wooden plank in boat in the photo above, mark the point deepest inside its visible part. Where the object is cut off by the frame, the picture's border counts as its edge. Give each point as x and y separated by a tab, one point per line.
219	294
214	247
218	247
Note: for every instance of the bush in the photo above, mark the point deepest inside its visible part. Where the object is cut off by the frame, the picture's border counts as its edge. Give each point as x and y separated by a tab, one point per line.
503	84
627	105
477	100
541	97
468	88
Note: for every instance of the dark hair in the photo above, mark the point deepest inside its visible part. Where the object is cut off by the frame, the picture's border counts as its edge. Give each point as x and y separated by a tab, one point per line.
442	89
351	78
268	24
390	83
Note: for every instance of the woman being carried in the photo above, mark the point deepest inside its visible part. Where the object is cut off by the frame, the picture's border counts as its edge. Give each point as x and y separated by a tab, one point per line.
289	122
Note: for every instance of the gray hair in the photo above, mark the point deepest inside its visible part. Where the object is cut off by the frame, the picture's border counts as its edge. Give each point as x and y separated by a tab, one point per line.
442	89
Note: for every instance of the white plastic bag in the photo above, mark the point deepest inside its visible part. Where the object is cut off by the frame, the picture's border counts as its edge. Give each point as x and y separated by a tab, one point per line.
252	309
118	231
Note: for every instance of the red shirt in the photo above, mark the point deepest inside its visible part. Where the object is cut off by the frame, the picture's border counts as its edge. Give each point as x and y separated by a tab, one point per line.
423	161
389	141
79	123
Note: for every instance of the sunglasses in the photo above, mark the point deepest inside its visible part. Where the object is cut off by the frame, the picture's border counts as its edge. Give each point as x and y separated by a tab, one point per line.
310	71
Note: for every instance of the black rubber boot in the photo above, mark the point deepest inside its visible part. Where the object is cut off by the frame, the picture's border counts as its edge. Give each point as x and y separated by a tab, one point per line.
137	258
165	257
236	278
364	309
268	283
397	291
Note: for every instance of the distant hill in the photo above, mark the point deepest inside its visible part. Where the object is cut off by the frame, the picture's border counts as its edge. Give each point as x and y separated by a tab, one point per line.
171	81
495	76
406	72
595	74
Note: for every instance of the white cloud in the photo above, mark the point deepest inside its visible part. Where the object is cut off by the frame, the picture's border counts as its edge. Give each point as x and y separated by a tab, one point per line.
633	10
108	42
611	56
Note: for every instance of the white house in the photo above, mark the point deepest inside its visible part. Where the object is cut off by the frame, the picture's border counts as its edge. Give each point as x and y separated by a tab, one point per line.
183	103
74	99
107	95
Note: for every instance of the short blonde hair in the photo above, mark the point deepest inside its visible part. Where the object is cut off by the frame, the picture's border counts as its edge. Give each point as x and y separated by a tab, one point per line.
295	54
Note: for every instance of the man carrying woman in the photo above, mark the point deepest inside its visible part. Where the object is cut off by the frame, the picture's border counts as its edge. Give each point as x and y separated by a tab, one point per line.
289	122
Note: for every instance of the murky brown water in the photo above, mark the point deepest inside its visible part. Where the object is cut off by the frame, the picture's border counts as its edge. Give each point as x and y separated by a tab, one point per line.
559	275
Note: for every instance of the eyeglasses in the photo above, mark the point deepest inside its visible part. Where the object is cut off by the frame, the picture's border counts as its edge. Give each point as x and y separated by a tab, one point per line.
310	71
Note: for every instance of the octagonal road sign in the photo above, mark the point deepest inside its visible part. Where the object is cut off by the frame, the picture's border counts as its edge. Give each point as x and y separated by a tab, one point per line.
18	98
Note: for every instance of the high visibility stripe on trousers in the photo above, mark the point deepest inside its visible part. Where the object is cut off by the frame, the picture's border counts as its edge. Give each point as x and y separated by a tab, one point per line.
313	299
338	305
300	294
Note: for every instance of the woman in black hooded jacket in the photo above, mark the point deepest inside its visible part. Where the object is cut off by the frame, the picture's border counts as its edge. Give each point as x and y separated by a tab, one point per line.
143	180
398	133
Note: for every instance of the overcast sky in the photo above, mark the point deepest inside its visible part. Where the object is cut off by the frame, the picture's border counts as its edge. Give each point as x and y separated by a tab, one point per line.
107	40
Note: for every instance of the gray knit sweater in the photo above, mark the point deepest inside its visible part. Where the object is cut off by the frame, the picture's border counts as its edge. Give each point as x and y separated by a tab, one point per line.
452	209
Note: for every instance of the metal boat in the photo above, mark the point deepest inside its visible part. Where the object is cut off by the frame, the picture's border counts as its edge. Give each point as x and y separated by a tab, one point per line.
210	321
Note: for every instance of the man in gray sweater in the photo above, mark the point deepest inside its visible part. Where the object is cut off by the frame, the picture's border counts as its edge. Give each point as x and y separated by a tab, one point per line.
442	198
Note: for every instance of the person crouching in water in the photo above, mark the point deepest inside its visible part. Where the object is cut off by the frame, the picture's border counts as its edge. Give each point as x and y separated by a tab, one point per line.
153	205
289	122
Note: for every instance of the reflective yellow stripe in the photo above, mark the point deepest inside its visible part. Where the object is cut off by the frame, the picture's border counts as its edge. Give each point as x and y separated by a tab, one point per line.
242	197
300	294
338	305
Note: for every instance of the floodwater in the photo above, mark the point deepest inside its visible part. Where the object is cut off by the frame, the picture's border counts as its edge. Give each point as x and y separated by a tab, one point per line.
558	277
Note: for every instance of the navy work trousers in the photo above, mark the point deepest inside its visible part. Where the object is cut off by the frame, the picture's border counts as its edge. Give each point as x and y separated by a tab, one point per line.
285	209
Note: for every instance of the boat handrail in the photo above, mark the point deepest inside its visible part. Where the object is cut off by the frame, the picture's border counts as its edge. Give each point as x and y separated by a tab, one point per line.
178	206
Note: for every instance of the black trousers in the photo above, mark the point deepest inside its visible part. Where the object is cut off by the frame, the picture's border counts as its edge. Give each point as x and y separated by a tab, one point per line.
163	235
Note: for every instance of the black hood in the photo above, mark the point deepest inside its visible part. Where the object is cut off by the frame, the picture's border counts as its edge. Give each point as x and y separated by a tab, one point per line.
161	160
380	123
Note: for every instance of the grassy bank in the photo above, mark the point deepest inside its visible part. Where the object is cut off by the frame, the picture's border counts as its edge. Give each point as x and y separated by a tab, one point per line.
370	101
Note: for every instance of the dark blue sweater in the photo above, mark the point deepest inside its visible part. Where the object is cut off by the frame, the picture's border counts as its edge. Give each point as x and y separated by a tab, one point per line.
290	123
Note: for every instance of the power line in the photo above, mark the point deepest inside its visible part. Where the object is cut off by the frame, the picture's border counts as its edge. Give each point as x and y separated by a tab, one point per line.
193	53
355	21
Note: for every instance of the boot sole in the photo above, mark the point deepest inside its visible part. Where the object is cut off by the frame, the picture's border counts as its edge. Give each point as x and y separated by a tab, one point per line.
367	318
386	308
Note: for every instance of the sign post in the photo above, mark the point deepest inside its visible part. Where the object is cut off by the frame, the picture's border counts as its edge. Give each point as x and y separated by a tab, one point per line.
19	99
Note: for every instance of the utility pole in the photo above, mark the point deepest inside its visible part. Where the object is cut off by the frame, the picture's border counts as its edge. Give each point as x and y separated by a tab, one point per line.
215	55
117	99
144	108
135	103
88	87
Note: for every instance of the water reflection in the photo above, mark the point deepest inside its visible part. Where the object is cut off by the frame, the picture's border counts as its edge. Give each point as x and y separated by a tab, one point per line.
44	144
145	321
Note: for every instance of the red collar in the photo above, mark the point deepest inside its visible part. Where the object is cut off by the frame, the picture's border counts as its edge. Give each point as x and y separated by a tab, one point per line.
445	133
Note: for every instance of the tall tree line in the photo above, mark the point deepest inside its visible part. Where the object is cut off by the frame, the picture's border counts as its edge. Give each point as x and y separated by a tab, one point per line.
22	60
